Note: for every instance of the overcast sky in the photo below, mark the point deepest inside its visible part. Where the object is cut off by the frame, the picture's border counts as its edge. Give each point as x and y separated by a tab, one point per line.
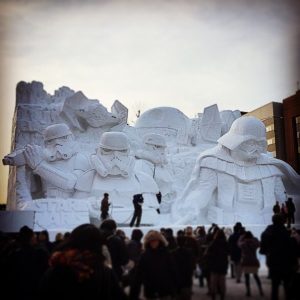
187	54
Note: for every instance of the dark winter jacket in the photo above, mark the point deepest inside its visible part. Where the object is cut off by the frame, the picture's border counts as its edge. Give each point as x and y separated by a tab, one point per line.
118	252
234	249
79	275
280	249
216	257
156	271
185	266
249	247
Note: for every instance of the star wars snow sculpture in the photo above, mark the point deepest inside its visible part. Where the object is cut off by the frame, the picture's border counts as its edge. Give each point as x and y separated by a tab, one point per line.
61	172
114	173
236	180
152	160
60	167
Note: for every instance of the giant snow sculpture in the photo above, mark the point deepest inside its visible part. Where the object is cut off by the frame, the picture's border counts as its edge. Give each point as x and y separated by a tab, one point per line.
236	180
69	150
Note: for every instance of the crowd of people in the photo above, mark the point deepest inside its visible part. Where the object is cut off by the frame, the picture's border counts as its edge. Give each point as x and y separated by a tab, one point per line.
103	263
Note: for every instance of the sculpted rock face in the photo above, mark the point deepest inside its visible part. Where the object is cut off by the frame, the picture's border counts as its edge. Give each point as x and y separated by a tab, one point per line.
236	180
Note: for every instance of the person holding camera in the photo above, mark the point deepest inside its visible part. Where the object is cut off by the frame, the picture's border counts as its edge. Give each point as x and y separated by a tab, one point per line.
137	201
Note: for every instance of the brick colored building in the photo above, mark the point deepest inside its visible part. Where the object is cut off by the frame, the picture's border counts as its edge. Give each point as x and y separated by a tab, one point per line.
291	113
272	116
282	122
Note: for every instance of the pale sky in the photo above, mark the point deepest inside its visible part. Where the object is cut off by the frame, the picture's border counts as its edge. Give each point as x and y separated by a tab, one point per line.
240	54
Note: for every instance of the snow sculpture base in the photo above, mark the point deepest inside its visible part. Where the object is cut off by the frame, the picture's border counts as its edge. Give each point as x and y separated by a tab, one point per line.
58	214
123	216
121	210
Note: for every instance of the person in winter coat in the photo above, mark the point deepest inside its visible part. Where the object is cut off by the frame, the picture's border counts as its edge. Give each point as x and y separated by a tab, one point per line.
134	250
217	262
105	206
185	264
250	264
156	270
22	266
291	209
137	201
116	246
77	271
235	250
281	255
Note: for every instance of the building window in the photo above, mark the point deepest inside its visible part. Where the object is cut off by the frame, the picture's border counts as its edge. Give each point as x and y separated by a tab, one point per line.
270	128
271	141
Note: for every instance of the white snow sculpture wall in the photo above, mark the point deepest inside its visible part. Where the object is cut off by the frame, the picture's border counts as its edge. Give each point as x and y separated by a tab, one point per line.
69	148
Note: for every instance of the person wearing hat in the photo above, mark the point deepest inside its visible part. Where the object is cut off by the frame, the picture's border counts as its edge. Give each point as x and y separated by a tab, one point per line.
156	270
58	164
236	180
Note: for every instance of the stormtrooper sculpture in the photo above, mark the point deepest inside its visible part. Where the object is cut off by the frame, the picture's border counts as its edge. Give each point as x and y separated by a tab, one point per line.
114	173
152	160
236	180
58	164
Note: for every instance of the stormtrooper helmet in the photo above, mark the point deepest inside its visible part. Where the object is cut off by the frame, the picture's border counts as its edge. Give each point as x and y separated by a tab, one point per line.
56	131
114	141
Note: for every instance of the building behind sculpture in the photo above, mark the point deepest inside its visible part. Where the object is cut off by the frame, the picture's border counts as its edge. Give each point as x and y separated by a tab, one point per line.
291	112
272	116
282	121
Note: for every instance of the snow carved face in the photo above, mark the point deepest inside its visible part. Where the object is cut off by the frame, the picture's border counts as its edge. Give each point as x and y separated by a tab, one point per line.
249	150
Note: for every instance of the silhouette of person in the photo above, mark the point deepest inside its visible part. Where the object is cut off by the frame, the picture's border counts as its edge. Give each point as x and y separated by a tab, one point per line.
158	197
78	271
276	208
105	206
290	206
283	212
281	253
137	201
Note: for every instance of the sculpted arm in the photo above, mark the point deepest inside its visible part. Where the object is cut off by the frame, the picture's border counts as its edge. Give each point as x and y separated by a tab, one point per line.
200	189
59	178
64	179
197	194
